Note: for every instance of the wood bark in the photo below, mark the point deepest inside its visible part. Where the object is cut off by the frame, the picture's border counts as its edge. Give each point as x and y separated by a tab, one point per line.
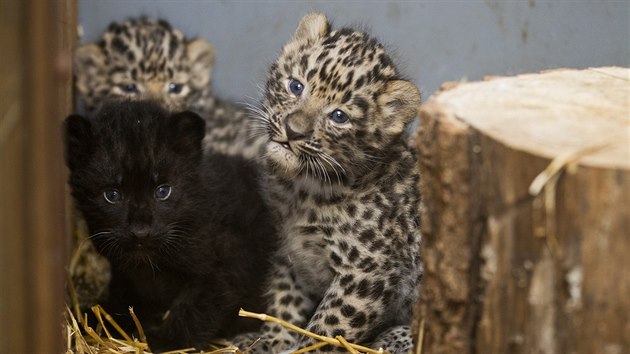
509	270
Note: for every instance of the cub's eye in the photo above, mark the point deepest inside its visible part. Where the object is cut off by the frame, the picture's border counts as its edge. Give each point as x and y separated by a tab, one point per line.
162	192
339	116
112	196
296	87
175	88
129	88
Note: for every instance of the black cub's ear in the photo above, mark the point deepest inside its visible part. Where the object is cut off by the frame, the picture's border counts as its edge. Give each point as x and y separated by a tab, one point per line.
78	140
186	131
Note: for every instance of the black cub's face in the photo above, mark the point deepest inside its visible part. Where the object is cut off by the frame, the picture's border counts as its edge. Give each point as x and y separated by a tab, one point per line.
135	177
333	103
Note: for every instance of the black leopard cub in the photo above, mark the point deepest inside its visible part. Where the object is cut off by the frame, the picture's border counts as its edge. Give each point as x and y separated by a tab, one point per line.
344	186
187	233
145	58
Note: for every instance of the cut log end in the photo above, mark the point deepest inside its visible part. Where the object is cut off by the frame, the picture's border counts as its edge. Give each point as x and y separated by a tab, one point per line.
551	113
526	182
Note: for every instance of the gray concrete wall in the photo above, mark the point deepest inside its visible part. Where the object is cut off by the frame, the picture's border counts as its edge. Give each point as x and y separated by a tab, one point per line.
433	41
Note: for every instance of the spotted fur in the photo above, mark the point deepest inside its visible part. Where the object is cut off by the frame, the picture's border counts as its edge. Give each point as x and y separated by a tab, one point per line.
345	191
145	58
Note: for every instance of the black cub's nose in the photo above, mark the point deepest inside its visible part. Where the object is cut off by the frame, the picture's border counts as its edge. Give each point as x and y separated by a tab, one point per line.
140	231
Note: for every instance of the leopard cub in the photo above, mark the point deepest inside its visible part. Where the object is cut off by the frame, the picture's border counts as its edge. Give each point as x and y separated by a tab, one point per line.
344	186
145	58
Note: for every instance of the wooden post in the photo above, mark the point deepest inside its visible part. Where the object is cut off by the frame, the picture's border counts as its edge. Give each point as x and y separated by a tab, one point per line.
36	37
513	265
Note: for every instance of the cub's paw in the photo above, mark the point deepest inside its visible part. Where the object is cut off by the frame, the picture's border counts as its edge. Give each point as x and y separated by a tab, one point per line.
395	340
265	343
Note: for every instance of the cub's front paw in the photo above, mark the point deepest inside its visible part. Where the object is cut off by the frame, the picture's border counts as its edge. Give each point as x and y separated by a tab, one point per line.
264	343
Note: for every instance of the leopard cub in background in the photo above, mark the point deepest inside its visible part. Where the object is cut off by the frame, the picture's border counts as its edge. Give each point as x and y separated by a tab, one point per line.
344	186
144	58
187	233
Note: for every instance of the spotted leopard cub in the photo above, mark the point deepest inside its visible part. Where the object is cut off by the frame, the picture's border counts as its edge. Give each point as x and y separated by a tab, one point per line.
145	58
345	188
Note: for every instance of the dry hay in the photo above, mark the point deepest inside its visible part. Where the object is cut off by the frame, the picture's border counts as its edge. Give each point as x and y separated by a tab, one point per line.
109	337
82	339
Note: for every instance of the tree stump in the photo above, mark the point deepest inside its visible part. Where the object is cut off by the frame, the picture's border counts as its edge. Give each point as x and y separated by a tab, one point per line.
513	265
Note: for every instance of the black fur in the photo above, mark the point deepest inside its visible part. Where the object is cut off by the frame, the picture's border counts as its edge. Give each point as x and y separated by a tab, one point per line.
201	253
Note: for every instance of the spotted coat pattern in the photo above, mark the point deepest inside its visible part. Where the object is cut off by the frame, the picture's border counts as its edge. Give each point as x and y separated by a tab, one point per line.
145	58
344	185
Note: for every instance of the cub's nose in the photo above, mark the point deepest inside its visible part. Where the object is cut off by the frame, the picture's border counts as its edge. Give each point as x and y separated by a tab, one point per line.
294	133
298	126
140	232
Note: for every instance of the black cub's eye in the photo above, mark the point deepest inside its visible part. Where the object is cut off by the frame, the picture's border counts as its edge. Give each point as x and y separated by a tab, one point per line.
129	88
339	116
296	87
162	192
175	88
112	196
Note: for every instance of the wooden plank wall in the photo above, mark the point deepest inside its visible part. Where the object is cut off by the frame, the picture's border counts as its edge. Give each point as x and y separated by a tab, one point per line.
36	37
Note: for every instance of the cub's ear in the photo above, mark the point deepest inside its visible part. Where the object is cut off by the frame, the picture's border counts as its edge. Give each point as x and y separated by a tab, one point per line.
87	62
200	54
79	138
185	132
399	104
312	27
87	58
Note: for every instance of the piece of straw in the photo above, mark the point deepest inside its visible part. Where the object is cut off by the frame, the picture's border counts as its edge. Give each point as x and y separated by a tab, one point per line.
346	345
287	325
310	348
420	338
143	337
